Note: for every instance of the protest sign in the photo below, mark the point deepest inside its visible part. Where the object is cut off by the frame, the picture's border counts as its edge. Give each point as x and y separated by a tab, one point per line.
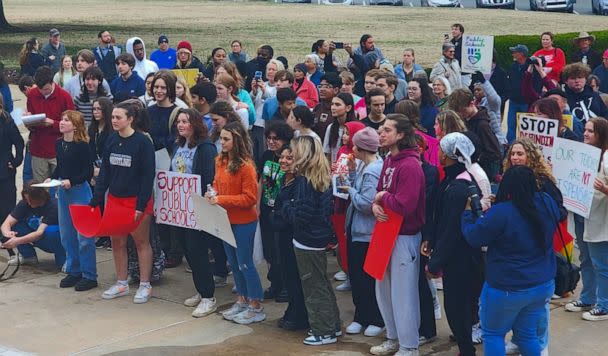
477	53
339	178
540	130
213	219
381	245
173	203
575	168
189	75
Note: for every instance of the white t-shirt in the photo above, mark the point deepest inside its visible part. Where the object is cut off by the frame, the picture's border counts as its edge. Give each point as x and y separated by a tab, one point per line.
333	151
312	134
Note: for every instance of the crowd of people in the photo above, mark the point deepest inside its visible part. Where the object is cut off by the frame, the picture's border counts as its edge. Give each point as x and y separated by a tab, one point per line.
318	155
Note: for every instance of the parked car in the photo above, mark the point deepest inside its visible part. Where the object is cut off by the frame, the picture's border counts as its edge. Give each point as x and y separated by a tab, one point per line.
440	3
386	2
552	5
494	4
599	7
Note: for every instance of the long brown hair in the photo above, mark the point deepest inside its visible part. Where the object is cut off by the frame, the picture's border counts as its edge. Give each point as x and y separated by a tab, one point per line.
230	84
225	110
199	129
233	71
27	48
411	110
550	108
600	129
80	130
404	125
241	147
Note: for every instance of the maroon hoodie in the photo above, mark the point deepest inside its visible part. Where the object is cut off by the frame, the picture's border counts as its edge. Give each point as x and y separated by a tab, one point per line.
403	180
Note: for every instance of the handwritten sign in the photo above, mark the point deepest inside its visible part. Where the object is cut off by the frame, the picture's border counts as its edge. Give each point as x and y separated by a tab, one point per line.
575	168
340	178
477	54
174	204
540	130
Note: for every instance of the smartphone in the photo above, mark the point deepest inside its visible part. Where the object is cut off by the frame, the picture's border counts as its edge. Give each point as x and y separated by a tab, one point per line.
339	45
258	75
446	36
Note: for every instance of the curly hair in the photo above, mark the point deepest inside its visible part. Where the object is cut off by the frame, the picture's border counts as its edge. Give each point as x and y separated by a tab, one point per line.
535	159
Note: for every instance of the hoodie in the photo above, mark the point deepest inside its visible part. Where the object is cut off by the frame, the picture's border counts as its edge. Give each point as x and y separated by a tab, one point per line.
132	87
145	66
353	127
403	180
586	104
479	124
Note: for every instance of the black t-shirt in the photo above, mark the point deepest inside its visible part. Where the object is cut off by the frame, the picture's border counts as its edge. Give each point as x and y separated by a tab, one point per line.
46	214
374	125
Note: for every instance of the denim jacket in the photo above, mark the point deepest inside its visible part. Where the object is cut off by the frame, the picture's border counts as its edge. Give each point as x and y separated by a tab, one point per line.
360	220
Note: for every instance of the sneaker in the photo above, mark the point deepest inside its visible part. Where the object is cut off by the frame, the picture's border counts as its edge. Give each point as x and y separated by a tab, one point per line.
438	283
437	309
193	301
388	347
250	315
511	348
341	276
235	309
23	261
205	307
477	334
596	314
233	290
282	297
426	340
337	333
555	296
143	294
578	306
187	268
64	268
373	330
115	291
354	328
344	286
410	352
316	340
85	284
69	281
219	281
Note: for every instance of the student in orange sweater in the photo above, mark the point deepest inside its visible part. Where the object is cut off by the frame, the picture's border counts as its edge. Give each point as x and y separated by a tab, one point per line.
236	190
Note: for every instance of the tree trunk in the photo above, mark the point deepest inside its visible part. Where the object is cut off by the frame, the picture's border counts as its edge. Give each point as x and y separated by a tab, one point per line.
4	25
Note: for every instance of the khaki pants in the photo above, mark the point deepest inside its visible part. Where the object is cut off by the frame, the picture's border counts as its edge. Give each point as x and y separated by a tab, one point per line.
42	168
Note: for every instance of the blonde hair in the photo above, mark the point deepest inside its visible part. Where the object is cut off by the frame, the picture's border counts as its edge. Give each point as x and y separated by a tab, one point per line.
534	158
187	97
310	162
80	130
277	63
449	121
62	70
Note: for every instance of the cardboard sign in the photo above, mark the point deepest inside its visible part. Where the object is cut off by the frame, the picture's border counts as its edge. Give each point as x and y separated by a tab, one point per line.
540	130
213	219
381	245
173	203
477	54
575	168
340	177
189	75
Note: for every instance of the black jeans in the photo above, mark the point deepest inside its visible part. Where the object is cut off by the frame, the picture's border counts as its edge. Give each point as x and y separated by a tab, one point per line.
428	328
296	309
196	244
363	286
219	266
8	192
271	250
171	242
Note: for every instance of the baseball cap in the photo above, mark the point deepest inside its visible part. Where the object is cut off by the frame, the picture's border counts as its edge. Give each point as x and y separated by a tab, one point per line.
163	38
54	32
520	48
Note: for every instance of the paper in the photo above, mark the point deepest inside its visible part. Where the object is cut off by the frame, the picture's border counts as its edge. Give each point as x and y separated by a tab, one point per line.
162	160
340	177
477	52
50	184
381	245
16	114
213	219
575	168
189	75
173	198
33	119
541	130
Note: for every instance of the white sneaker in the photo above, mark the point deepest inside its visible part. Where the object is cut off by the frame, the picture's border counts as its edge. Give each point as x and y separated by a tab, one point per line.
344	286
235	309
373	330
477	334
511	348
193	301
438	283
187	268
437	307
205	307
23	261
341	276
142	295
115	291
386	348
354	328
250	315
413	352
545	351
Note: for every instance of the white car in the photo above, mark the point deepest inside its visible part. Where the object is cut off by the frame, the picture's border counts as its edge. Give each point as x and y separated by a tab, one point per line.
552	5
440	3
505	4
599	7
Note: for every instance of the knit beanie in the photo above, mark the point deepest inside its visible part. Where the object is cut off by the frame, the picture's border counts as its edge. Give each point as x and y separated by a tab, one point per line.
184	45
367	139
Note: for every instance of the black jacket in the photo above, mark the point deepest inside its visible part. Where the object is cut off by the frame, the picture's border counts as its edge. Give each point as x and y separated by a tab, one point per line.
500	82
586	104
204	162
309	212
594	59
9	137
194	64
279	223
480	125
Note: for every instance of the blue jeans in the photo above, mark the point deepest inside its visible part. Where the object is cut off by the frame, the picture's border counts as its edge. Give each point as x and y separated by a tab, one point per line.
514	108
80	251
246	277
598	251
588	275
521	311
49	242
28	175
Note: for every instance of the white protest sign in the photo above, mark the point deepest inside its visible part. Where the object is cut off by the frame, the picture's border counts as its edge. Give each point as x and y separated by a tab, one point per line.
173	203
477	53
340	178
540	130
574	168
213	219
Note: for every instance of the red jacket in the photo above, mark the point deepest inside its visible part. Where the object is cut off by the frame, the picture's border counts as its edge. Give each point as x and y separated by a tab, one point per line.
307	92
43	138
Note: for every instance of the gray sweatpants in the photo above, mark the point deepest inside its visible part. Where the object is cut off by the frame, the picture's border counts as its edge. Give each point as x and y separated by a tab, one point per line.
397	293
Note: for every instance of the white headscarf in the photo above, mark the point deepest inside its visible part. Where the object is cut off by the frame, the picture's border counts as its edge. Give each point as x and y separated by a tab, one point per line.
458	147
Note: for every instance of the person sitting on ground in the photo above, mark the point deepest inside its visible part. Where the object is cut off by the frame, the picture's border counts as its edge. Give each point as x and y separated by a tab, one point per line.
33	223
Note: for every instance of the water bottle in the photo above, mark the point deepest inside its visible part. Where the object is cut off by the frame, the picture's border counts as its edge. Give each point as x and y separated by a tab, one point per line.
584	60
210	191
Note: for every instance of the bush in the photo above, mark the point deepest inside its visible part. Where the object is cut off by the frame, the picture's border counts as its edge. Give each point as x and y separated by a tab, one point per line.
562	40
